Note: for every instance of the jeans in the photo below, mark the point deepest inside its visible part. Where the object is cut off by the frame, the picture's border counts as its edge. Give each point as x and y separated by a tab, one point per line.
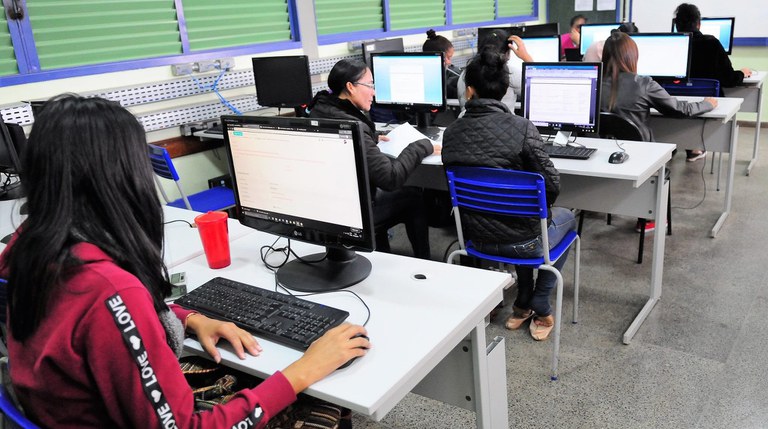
530	295
405	205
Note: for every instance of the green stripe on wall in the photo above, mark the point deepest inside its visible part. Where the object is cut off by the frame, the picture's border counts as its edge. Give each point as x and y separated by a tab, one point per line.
509	8
7	56
346	16
404	14
471	11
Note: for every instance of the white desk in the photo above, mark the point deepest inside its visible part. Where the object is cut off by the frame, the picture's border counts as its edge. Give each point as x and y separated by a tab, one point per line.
415	325
752	93
715	131
630	189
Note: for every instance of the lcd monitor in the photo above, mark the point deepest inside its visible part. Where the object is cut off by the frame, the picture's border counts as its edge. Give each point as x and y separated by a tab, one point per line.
591	33
282	81
381	46
543	49
305	179
538	30
413	82
562	97
721	28
663	55
12	140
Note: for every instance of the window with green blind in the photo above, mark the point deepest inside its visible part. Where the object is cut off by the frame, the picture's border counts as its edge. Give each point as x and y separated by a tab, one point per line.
405	14
347	16
508	8
471	11
7	56
79	32
217	24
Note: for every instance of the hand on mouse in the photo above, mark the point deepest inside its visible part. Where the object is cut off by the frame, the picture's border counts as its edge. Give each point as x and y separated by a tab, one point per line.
327	353
436	149
747	72
711	100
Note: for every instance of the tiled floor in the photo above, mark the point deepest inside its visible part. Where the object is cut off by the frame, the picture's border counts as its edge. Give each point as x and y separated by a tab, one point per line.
701	358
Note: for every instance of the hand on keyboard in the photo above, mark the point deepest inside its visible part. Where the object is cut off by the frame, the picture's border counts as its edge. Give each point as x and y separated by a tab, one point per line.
210	331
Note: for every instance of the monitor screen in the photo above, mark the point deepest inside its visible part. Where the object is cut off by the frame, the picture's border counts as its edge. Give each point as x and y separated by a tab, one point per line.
562	97
721	28
591	33
282	81
381	46
663	55
538	30
543	49
305	179
412	82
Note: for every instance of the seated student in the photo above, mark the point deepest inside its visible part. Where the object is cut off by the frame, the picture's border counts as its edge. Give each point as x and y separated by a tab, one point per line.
594	52
489	135
571	39
708	58
501	42
91	341
350	97
630	96
435	43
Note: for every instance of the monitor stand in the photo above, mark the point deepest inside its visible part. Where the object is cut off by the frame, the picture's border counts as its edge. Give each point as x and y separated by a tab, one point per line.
423	125
562	137
339	269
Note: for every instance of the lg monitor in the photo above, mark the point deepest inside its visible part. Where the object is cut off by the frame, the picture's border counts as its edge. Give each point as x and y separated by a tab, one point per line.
381	46
543	49
305	179
538	30
591	33
721	28
663	55
12	140
562	97
413	82
282	81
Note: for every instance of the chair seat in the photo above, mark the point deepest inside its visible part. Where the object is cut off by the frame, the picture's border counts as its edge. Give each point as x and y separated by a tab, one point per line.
216	198
554	254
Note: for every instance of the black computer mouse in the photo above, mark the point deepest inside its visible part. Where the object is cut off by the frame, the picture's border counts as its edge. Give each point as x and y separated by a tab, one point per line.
618	157
349	362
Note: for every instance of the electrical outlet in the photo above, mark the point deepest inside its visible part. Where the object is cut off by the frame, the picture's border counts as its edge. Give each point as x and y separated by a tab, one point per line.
226	63
205	66
182	69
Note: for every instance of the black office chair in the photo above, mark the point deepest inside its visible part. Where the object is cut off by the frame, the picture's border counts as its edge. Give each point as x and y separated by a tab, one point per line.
615	126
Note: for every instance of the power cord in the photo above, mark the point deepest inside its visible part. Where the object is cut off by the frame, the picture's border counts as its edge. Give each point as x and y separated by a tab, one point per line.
703	166
179	220
214	88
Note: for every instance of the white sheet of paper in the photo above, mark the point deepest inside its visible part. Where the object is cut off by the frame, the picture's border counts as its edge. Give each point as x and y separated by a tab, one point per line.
606	4
399	138
582	5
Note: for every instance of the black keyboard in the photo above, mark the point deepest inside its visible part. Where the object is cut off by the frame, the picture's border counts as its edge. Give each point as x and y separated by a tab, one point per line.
285	319
570	152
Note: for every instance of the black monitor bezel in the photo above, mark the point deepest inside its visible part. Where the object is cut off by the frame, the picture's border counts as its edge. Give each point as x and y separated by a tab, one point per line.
728	51
583	49
388	43
416	107
523	31
550	128
308	235
688	63
11	148
304	84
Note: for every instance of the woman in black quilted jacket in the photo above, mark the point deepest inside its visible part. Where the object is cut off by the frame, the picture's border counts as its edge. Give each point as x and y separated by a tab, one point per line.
489	135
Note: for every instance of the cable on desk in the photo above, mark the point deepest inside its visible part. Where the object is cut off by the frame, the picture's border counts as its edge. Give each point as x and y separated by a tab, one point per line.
362	301
703	166
179	220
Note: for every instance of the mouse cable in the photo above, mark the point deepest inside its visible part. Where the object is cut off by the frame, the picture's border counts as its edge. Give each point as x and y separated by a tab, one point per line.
301	295
619	145
179	220
703	166
266	251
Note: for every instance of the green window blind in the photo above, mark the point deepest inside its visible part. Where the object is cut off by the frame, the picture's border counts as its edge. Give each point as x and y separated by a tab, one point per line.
515	8
219	24
70	33
404	14
7	56
471	11
346	16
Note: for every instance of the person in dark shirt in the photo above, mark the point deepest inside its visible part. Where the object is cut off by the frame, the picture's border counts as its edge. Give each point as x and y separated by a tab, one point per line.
437	43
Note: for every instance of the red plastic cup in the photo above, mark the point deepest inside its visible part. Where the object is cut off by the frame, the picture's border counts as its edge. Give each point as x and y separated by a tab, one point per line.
214	234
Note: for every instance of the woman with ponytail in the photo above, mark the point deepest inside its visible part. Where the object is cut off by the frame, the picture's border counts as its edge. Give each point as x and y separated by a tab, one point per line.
436	43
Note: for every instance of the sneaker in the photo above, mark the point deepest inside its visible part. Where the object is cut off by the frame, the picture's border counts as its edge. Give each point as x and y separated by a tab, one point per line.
695	155
541	327
649	226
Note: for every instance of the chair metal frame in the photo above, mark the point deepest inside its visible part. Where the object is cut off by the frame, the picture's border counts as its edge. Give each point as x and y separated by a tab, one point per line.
516	194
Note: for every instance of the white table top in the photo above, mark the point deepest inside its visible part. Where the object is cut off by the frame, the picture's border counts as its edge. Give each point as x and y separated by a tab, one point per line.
413	325
756	79
726	109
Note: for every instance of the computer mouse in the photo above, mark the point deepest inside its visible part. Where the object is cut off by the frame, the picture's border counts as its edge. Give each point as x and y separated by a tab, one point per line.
618	157
349	362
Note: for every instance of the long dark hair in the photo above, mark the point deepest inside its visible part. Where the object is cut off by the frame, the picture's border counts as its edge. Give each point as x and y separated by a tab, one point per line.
619	55
436	43
487	73
345	71
88	179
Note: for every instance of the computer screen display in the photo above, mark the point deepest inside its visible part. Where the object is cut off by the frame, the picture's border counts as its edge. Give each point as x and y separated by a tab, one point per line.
381	46
721	28
282	81
591	33
562	97
543	49
305	179
663	55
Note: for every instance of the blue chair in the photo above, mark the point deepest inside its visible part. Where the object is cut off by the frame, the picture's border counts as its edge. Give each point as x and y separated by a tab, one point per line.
511	193
216	198
694	87
12	416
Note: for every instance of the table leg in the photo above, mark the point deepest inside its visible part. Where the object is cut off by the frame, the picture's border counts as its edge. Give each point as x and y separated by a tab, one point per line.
729	181
490	392
756	150
657	267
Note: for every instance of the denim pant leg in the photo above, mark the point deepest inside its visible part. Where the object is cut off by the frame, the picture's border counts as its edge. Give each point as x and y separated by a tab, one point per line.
563	221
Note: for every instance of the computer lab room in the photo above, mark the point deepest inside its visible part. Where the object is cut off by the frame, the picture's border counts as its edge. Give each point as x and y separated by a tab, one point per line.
383	214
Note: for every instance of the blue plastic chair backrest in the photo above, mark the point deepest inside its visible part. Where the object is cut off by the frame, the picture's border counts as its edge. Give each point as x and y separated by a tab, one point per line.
10	412
694	87
498	191
161	162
